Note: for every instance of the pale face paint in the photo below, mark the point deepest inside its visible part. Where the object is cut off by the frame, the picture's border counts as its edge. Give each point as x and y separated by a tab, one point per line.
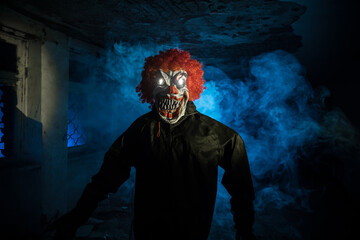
171	95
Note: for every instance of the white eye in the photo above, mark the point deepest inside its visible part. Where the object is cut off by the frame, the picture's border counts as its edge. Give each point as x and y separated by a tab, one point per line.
181	81
161	81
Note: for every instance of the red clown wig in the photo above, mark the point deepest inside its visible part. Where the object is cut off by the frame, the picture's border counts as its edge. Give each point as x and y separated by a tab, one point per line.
172	59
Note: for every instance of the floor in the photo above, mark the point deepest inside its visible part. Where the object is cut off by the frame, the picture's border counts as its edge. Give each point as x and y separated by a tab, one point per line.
111	221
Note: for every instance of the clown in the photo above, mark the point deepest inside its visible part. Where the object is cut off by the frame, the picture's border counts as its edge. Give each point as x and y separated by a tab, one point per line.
171	79
176	152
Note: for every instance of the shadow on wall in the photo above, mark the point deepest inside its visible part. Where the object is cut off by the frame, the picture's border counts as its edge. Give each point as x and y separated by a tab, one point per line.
21	178
20	185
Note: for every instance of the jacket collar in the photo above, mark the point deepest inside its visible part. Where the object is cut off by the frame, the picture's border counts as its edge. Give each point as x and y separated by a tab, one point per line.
190	109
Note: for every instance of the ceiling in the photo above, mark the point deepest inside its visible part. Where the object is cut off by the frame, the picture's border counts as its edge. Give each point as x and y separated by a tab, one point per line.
218	33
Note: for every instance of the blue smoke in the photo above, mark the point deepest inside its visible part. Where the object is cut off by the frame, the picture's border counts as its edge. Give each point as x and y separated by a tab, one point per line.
272	109
276	112
116	97
269	109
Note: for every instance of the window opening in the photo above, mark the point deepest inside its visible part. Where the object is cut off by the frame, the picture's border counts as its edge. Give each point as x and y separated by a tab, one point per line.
76	134
8	60
7	113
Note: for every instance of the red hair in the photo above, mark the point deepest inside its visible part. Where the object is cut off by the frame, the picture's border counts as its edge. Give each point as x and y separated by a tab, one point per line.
172	59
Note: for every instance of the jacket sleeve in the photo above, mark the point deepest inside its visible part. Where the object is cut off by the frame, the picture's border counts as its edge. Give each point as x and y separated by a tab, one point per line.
237	181
114	171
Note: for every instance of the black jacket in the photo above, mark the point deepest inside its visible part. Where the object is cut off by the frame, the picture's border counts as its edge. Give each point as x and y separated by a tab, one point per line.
176	176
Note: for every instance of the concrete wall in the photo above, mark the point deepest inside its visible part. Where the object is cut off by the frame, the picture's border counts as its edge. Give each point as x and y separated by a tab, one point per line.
38	182
20	173
54	105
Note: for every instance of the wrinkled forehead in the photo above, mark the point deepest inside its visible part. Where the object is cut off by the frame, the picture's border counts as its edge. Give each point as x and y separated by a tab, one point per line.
170	74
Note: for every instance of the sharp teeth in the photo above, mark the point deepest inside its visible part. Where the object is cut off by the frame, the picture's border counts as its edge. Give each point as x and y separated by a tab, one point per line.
169	104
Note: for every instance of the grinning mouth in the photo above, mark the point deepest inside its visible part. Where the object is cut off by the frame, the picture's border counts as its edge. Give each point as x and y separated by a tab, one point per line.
170	107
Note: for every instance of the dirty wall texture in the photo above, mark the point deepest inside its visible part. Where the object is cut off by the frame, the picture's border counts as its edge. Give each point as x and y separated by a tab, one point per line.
33	179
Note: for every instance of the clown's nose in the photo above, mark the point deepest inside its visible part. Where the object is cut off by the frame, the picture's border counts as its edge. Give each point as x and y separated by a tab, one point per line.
173	90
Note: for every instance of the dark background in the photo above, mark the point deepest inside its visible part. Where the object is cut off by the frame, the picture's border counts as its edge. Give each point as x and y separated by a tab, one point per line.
331	55
331	50
322	34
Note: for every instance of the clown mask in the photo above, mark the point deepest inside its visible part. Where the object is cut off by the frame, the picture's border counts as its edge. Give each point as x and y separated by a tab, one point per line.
171	95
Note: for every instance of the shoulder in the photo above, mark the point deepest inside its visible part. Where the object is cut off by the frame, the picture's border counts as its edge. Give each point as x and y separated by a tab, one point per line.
131	135
221	129
143	119
138	125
